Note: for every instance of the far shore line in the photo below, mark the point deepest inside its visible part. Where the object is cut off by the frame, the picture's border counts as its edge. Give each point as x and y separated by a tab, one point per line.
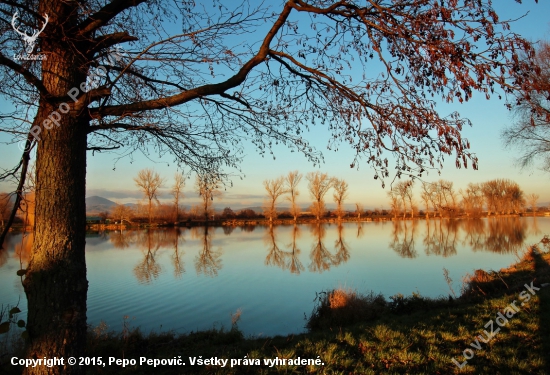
237	222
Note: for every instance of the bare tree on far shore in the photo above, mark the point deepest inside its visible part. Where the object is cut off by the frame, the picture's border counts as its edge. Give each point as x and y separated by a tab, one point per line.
395	202
410	198
292	180
206	185
149	182
445	197
473	200
503	196
179	183
403	190
426	195
121	212
318	184
275	188
533	199
340	193
358	210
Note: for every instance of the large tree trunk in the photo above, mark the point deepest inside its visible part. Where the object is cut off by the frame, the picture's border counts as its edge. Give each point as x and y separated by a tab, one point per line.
55	282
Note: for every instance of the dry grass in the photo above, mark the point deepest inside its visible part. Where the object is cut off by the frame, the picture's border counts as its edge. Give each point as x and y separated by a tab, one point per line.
344	306
340	298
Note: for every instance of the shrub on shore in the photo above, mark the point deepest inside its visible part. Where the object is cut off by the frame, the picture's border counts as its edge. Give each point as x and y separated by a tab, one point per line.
342	307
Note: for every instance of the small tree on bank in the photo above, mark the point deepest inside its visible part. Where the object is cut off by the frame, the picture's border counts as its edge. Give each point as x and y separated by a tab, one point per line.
403	192
426	196
179	183
292	180
228	213
358	210
122	213
472	200
318	185
149	182
340	193
275	188
206	185
532	199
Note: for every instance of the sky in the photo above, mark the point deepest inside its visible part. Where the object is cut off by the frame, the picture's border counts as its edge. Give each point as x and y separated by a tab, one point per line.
114	181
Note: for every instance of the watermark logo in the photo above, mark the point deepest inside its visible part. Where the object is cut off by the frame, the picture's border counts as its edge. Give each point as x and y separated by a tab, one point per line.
501	320
30	40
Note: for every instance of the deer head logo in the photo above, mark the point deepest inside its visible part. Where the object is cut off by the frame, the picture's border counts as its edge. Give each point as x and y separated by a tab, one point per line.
30	40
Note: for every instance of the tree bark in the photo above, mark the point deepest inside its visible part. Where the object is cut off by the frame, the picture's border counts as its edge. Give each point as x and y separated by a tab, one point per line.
55	282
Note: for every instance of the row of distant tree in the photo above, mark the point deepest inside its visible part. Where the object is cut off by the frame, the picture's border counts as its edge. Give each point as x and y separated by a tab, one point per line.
495	197
319	184
208	188
150	183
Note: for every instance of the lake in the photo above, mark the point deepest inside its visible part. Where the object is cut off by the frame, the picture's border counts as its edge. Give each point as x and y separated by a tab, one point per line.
194	279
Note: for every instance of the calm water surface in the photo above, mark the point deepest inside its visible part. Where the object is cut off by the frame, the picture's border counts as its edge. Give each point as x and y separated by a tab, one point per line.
193	279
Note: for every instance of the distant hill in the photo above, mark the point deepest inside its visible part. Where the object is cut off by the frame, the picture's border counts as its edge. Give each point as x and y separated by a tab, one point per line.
98	204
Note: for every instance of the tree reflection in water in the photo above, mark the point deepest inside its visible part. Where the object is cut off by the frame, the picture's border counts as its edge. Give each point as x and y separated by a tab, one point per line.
535	230
505	234
283	259
179	268
228	229
404	246
275	256
441	237
294	264
494	234
342	249
150	242
207	261
474	233
122	239
248	228
321	258
360	231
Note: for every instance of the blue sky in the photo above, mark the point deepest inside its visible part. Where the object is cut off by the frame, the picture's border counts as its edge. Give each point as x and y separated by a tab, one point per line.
489	117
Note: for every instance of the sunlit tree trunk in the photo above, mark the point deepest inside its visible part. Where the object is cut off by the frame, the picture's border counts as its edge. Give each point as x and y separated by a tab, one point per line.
55	282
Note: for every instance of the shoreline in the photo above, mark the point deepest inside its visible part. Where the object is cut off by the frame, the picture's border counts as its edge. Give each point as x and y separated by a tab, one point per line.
265	222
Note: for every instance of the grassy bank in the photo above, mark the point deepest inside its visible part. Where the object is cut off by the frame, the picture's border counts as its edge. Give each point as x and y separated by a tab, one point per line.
352	333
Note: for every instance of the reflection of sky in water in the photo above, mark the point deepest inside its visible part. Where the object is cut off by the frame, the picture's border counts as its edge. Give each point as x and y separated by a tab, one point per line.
272	276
